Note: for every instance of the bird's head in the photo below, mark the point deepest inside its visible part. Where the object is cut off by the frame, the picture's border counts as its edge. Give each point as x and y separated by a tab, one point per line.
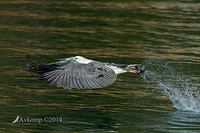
81	59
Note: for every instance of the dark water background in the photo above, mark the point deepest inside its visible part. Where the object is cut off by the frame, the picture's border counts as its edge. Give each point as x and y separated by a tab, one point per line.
109	31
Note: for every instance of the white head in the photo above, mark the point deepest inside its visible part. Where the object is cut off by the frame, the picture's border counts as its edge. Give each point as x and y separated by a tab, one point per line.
81	59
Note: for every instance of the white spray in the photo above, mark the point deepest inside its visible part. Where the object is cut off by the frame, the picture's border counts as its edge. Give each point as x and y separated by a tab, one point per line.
182	91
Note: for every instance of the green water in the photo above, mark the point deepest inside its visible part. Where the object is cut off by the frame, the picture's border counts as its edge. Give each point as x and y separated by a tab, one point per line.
108	31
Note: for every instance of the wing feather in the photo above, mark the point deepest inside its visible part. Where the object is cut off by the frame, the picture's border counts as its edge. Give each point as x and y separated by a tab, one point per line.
60	80
96	84
64	85
85	83
68	83
76	75
53	79
73	80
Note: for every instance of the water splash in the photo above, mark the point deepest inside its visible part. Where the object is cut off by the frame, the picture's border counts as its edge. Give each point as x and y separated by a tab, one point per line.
182	91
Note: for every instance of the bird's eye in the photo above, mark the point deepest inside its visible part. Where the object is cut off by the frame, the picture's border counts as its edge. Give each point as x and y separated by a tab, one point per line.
76	58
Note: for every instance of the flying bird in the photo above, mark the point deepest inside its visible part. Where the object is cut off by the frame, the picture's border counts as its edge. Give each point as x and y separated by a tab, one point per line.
79	72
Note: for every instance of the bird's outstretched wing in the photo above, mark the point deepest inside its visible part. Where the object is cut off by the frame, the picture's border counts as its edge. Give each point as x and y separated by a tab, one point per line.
75	75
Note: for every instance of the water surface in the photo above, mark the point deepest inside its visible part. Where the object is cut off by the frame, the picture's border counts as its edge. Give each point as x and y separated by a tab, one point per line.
162	33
